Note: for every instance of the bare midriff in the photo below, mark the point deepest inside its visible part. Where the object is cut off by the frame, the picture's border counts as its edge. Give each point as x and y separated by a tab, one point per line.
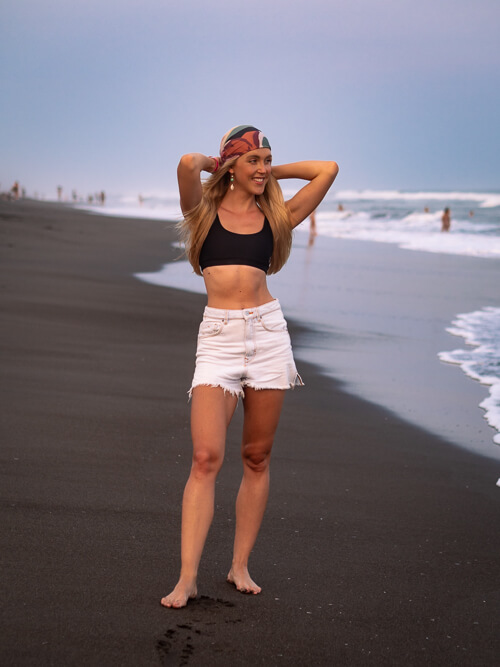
236	286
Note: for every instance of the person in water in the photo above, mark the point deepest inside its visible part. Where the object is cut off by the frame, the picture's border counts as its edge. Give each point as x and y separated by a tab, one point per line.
237	229
446	220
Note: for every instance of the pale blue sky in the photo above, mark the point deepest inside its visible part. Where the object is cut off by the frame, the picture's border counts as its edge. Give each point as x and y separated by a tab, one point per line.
108	95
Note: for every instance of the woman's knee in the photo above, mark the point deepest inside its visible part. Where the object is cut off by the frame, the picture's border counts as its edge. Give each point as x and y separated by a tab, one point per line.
206	462
257	456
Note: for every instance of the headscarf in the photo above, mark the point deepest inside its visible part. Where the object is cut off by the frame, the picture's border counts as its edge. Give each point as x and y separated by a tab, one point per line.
240	140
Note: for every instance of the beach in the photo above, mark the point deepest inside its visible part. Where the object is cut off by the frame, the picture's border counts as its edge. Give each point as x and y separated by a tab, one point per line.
380	541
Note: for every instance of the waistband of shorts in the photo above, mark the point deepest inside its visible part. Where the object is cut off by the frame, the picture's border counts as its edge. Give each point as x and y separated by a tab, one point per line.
245	314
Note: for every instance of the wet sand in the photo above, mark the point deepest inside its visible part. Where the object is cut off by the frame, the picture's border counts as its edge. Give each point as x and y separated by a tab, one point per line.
380	542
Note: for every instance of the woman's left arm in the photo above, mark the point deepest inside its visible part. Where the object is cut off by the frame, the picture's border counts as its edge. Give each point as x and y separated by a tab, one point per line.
320	176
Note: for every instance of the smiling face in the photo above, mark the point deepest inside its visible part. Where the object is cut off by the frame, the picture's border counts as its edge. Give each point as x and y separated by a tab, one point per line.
252	170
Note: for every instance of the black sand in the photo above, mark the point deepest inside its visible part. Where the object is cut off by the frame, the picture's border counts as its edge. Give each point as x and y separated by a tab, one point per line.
380	544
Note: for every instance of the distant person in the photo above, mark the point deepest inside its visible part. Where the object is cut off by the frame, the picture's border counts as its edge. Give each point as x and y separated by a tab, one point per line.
340	207
312	228
471	214
426	209
141	200
74	195
238	229
102	197
446	220
59	192
15	190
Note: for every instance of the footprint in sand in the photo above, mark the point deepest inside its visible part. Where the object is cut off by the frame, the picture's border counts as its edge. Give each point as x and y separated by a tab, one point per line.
195	632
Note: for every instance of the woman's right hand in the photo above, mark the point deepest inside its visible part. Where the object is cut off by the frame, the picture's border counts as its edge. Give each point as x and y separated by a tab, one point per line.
188	176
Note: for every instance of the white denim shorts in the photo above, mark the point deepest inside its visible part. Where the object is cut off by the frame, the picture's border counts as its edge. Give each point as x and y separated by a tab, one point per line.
245	348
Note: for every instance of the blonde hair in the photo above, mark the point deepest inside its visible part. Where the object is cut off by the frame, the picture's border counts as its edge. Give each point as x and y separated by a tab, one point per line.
197	222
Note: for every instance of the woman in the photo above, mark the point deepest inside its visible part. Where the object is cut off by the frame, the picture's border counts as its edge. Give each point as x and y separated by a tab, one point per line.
237	228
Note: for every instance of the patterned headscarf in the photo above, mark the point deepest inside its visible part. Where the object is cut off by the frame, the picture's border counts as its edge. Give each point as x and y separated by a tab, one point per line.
240	140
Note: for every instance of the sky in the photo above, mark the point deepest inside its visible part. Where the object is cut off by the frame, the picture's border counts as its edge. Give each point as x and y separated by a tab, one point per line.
108	95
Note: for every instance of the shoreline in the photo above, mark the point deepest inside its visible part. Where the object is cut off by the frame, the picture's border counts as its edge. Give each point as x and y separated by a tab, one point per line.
391	309
95	455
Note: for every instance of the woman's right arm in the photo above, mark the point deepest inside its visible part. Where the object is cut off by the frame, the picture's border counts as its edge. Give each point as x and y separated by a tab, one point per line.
188	176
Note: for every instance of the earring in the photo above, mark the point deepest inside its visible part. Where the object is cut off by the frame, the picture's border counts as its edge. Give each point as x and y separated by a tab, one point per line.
232	182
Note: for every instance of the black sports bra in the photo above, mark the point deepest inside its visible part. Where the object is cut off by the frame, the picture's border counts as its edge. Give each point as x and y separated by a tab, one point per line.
224	247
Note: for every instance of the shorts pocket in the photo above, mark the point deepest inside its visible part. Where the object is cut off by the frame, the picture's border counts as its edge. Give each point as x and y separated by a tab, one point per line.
274	321
209	328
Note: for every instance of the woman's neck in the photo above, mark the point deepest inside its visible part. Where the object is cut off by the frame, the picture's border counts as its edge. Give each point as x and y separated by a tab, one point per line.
236	203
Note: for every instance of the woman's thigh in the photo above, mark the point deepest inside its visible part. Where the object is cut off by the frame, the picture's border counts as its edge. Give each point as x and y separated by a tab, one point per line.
211	413
262	413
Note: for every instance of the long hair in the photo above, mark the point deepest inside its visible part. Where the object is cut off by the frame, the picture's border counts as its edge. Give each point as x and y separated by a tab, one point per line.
197	222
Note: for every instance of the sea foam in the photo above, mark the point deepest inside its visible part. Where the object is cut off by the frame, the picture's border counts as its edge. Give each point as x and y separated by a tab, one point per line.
481	360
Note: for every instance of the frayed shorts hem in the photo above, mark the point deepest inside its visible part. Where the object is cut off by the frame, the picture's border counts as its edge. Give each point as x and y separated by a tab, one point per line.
240	393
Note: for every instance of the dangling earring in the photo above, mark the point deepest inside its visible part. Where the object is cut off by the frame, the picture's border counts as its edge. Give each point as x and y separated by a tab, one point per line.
232	182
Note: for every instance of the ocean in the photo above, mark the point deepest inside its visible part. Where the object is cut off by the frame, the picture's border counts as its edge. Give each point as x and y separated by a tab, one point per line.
408	220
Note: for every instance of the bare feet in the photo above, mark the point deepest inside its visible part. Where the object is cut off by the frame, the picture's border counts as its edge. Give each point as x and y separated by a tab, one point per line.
181	595
240	577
